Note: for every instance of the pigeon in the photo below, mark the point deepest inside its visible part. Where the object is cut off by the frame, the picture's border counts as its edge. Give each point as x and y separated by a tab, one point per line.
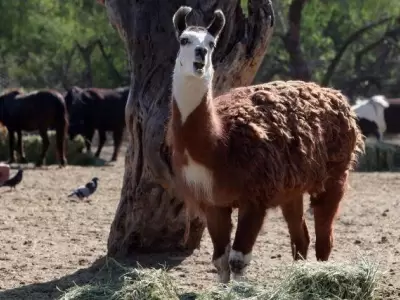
13	181
86	190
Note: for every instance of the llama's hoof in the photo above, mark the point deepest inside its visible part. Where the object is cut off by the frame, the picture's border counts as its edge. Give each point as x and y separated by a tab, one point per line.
237	268
224	276
222	266
239	277
238	263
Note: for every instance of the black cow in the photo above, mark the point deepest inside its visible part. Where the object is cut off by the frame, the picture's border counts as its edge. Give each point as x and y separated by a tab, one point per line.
40	110
392	118
98	109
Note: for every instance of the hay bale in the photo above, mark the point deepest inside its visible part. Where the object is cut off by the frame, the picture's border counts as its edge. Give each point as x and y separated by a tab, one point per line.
304	280
32	144
379	157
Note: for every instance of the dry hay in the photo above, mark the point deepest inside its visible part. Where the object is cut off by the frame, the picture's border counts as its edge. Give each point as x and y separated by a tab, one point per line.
32	144
379	157
303	280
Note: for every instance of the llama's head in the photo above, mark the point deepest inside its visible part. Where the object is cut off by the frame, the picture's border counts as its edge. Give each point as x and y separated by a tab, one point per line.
196	43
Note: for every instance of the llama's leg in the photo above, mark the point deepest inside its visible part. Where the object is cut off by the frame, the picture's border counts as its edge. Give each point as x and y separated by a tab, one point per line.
292	211
45	146
117	135
250	221
20	147
11	138
325	207
102	140
219	226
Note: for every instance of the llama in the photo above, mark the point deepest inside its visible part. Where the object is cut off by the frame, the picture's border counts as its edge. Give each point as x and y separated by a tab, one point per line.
255	148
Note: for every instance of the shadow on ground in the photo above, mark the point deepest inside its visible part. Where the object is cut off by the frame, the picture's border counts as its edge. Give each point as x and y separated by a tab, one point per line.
103	270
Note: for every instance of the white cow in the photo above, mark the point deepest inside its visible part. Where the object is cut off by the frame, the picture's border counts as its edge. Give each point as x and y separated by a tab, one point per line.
371	111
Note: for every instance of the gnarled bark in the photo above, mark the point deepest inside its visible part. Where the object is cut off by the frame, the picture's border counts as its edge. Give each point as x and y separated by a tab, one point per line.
149	217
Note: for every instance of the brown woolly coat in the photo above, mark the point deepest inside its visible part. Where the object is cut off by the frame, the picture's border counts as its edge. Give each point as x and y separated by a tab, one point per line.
272	140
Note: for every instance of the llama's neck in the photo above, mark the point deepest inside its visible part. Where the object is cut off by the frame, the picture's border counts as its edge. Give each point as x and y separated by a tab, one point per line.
189	92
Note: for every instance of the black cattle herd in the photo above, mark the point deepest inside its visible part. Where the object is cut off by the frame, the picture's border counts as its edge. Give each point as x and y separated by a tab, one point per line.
77	111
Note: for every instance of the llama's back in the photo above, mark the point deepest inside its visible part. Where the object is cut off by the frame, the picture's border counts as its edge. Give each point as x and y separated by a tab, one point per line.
291	134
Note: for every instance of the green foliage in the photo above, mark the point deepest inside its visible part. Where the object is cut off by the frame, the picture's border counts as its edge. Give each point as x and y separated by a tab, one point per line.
33	146
38	44
52	44
325	28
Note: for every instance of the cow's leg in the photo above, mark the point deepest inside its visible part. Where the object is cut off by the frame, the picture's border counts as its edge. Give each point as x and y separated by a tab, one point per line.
292	210
326	205
61	144
117	135
20	147
250	221
88	136
102	140
45	146
11	140
219	226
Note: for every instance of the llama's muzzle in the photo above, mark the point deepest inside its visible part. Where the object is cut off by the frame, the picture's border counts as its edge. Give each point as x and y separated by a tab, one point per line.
200	53
198	66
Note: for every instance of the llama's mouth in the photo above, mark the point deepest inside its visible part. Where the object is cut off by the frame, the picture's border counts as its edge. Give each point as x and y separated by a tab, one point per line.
198	67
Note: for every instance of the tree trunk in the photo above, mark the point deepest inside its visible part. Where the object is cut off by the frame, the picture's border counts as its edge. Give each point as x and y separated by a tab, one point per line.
149	217
298	65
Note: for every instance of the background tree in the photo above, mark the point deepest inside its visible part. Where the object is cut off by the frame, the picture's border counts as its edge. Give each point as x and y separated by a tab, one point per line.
351	45
55	44
149	216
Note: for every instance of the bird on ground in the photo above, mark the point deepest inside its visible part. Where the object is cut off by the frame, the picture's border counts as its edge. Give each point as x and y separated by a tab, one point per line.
86	190
13	181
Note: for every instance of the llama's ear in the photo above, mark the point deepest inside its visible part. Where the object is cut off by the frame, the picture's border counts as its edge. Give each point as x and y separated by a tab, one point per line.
217	24
179	19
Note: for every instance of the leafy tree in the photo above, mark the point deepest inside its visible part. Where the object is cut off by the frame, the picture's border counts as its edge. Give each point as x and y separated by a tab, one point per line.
47	43
332	36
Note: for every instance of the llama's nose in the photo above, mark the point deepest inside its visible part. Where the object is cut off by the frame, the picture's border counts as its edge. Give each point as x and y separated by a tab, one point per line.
200	52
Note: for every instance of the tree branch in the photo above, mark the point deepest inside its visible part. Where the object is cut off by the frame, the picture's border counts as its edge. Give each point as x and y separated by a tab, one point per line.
354	84
351	39
248	53
108	60
360	54
66	67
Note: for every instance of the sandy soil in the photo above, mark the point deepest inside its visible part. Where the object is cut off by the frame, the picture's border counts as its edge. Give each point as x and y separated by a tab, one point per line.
49	242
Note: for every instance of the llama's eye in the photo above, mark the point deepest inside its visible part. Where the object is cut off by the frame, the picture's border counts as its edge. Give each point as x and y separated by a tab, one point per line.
184	41
212	45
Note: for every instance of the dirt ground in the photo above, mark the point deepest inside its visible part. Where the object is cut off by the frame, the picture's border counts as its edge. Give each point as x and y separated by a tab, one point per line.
49	242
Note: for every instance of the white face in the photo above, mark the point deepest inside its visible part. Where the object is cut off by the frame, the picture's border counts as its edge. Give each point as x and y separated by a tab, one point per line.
195	52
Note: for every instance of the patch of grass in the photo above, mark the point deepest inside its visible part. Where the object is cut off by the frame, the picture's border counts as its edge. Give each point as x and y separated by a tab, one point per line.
33	146
303	281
